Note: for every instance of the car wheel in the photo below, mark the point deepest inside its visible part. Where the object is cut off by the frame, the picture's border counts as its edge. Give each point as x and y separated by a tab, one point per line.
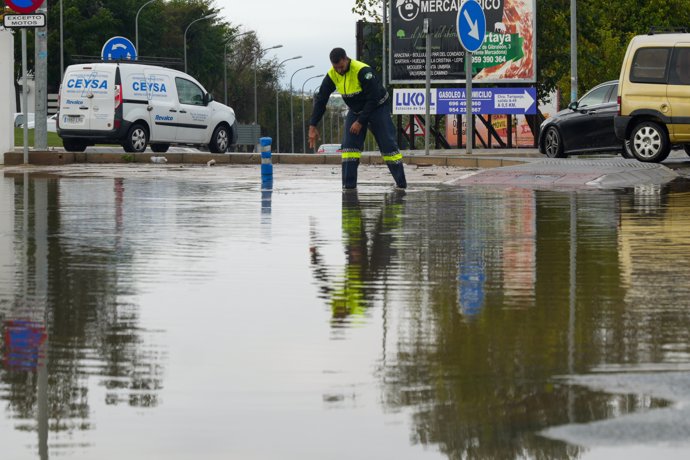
686	147
553	144
137	139
649	142
625	151
220	140
74	145
160	148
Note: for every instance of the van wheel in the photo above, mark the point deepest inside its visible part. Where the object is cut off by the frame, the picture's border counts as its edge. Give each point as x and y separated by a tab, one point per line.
649	142
160	148
553	143
136	139
74	145
220	140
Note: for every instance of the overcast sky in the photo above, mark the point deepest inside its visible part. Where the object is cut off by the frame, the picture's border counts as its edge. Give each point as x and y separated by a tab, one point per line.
310	28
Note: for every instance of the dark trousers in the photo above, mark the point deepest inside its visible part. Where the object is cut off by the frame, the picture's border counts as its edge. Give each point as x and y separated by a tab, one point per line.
382	128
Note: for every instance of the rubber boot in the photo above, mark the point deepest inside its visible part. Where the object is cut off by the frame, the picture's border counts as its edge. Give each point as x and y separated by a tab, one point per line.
398	174
350	173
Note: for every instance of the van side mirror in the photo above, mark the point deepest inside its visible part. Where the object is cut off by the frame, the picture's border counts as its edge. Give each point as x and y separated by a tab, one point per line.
573	105
208	98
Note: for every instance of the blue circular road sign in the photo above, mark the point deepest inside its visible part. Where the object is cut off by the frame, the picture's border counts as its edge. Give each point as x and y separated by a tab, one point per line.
471	24
119	49
24	6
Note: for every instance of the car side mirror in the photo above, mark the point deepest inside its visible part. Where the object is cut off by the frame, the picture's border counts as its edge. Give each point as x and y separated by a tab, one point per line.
208	98
573	105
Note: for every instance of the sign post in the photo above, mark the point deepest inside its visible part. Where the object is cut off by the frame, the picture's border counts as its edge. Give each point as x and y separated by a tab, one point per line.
427	87
471	26
25	7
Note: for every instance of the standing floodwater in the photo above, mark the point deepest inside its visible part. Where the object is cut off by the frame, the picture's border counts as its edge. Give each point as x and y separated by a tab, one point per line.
186	313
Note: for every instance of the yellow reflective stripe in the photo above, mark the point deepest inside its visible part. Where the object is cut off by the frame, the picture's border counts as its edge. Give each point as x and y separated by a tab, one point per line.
355	155
396	157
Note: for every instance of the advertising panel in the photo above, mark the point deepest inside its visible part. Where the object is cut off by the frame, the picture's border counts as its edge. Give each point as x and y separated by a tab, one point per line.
449	101
507	55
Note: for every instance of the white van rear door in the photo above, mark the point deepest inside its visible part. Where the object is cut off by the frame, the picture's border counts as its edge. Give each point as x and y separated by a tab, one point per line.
83	103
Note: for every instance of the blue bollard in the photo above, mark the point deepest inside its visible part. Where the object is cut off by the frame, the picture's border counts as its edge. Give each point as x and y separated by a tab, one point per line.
266	163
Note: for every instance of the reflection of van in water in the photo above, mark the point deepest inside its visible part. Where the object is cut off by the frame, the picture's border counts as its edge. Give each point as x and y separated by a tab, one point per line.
135	105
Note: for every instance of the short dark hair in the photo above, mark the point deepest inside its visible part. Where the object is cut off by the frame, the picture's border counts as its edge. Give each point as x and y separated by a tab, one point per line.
336	55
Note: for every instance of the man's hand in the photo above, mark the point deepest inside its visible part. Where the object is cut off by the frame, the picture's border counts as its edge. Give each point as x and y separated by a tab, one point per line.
313	136
356	127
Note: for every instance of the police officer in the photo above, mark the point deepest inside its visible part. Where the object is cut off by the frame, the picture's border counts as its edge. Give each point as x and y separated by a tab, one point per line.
369	108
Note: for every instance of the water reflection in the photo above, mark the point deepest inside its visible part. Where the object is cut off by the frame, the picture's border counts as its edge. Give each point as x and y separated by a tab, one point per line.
63	315
368	238
441	322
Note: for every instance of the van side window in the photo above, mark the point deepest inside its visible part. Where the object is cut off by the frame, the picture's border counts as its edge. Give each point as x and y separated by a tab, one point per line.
649	65
188	92
680	67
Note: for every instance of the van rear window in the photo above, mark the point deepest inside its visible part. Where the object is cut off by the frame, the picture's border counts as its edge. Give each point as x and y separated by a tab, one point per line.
650	65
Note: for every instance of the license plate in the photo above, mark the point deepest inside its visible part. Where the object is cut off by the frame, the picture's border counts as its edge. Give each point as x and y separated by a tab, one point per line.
71	119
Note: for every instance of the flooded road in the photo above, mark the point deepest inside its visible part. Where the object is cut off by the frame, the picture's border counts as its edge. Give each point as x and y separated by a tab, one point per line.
185	313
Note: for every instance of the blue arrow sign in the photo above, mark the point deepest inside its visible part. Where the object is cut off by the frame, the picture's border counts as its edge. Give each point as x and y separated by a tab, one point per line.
117	49
471	25
487	101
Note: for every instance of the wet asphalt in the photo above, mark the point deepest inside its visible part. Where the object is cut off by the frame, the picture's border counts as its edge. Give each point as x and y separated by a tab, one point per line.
498	167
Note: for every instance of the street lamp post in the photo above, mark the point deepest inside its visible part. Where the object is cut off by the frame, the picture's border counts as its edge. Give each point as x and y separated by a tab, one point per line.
292	118
136	26
62	49
304	132
208	16
225	63
256	61
277	114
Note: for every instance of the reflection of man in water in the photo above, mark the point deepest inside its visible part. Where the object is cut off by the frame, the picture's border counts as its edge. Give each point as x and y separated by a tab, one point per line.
368	250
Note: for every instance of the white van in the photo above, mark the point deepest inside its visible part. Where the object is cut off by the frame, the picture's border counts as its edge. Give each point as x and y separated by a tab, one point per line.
136	105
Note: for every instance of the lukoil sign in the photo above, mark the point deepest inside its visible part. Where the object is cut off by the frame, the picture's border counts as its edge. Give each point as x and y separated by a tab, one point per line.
409	101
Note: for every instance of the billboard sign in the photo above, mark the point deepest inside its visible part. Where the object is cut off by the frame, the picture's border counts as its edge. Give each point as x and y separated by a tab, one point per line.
507	55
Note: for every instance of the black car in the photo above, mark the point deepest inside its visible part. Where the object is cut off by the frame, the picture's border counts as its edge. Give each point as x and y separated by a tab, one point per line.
586	126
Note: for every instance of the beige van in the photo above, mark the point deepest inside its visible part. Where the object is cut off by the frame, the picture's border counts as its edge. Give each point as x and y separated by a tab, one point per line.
654	95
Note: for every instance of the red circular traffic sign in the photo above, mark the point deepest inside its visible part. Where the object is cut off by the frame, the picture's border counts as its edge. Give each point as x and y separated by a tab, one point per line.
24	6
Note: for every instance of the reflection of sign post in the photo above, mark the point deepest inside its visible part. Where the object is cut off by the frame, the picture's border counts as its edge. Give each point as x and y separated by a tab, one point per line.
471	24
119	49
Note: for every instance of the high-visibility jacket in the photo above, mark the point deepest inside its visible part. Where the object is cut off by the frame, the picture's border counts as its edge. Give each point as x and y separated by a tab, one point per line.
360	88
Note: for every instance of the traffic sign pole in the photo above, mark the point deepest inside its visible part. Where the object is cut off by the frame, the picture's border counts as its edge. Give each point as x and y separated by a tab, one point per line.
41	84
25	99
427	116
469	128
471	25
